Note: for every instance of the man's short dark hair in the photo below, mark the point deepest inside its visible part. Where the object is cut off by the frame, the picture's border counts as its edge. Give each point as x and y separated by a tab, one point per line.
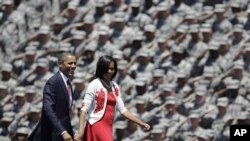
62	57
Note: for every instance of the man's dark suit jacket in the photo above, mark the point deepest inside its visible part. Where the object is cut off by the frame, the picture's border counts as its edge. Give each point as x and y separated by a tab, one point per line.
55	116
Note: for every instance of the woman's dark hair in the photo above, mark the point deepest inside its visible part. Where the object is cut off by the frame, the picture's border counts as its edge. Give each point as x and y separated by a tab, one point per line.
102	66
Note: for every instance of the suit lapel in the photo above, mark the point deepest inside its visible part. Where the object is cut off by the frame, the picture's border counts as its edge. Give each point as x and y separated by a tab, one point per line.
63	86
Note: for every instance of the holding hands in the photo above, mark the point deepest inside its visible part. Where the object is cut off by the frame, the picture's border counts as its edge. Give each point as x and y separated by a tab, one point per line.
77	137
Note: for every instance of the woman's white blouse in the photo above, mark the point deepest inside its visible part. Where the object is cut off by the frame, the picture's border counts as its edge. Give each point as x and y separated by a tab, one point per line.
95	100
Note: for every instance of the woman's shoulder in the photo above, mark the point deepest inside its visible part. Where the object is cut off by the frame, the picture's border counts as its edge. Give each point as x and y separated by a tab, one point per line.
94	85
95	82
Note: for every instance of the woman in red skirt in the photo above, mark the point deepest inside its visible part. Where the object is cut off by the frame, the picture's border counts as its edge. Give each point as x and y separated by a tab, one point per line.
98	106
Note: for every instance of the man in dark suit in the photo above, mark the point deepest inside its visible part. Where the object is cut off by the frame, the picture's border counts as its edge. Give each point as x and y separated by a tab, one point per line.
57	102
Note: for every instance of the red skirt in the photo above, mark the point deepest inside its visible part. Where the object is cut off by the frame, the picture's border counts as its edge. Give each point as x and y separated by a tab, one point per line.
102	130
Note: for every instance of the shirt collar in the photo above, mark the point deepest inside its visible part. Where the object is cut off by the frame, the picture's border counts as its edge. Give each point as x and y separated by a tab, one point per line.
65	78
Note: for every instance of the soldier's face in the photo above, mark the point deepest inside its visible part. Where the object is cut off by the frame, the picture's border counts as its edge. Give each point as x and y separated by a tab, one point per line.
6	75
195	121
206	35
170	107
21	137
237	73
3	93
246	56
223	48
103	39
100	10
232	93
135	10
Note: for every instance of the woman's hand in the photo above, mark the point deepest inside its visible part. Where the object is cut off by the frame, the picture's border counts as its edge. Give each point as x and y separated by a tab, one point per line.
145	126
78	137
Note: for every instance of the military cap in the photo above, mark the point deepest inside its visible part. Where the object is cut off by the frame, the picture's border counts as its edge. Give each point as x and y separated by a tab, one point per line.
247	49
7	2
222	101
88	19
3	138
9	114
7	119
30	50
143	53
235	4
140	99
119	16
140	82
208	9
103	30
78	80
33	43
34	109
72	5
208	72
157	129
8	107
214	45
135	3
201	90
238	67
194	114
233	84
158	73
244	115
238	28
167	87
19	89
3	86
248	10
138	36
182	28
202	134
23	130
42	62
190	15
171	100
121	124
90	47
44	29
163	6
162	39
59	20
150	28
219	8
181	73
30	89
122	64
205	29
117	54
19	94
178	50
6	67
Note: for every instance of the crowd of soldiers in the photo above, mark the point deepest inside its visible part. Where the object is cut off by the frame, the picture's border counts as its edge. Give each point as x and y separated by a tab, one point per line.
183	65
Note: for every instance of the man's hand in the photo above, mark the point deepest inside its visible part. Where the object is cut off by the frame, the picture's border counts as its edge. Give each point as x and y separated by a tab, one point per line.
77	137
67	137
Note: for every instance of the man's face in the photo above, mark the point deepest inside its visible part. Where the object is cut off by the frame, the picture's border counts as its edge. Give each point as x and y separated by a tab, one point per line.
68	65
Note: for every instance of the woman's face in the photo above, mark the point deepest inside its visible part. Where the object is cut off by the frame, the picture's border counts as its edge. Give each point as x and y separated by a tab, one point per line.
110	73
